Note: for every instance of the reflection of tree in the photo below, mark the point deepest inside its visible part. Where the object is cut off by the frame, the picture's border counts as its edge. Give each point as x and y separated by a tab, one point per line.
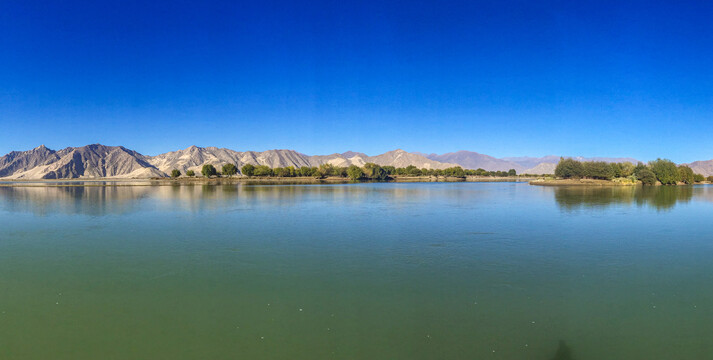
564	352
660	197
103	200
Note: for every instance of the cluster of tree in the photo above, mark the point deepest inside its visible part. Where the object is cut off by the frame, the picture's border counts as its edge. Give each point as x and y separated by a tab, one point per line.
369	171
659	170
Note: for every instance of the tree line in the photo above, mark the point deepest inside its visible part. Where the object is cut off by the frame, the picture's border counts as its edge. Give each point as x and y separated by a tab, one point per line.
369	171
662	171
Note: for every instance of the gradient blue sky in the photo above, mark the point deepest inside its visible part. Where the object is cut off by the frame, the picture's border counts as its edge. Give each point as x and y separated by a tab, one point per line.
505	78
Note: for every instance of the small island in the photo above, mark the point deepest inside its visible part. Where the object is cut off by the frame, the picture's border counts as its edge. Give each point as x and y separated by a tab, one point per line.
571	172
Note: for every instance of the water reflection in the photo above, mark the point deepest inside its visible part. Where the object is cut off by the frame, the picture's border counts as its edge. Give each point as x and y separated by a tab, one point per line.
104	200
564	352
659	197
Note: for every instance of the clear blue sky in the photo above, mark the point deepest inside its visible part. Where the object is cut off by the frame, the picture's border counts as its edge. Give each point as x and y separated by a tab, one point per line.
505	78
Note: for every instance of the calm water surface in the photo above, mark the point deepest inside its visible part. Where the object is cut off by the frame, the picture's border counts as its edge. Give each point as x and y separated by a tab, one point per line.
359	271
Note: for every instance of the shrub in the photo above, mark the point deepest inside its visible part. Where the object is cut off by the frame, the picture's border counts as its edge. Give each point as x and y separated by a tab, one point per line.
666	171
208	170
512	172
175	173
698	178
190	173
710	178
569	168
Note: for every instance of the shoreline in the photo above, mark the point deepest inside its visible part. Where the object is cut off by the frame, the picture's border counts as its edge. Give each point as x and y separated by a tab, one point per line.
242	180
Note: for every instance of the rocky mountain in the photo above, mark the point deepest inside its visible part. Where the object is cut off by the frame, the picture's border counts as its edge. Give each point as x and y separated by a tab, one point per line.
23	161
100	161
91	161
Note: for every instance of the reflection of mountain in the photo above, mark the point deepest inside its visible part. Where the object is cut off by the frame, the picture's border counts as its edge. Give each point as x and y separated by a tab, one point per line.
108	200
660	197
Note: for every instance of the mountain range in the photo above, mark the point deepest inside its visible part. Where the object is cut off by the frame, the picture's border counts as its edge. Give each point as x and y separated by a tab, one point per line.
101	161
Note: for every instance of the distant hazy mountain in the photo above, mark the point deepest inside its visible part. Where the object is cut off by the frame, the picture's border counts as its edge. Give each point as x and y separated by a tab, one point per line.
704	168
474	160
523	165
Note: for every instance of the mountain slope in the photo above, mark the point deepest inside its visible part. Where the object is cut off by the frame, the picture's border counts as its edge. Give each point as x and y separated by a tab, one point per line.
704	168
23	161
91	161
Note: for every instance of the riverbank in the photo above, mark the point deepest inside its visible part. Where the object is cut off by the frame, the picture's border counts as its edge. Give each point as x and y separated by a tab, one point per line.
243	180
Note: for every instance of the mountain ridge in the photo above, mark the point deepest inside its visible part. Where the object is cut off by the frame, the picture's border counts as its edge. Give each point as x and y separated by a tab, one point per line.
102	161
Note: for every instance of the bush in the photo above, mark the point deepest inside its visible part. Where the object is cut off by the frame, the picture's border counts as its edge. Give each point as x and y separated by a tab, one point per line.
512	172
598	170
710	178
208	170
230	169
698	178
666	171
175	173
569	168
685	174
248	170
190	173
647	177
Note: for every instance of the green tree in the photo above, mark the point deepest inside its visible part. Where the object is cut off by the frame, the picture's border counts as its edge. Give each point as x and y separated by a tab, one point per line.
640	166
699	178
646	176
263	170
710	178
190	173
685	174
627	169
598	170
512	172
569	169
666	171
248	170
306	171
230	169
208	170
616	170
376	172
175	173
355	173
455	171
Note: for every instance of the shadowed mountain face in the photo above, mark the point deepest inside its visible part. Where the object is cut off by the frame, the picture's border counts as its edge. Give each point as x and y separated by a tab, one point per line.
89	161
